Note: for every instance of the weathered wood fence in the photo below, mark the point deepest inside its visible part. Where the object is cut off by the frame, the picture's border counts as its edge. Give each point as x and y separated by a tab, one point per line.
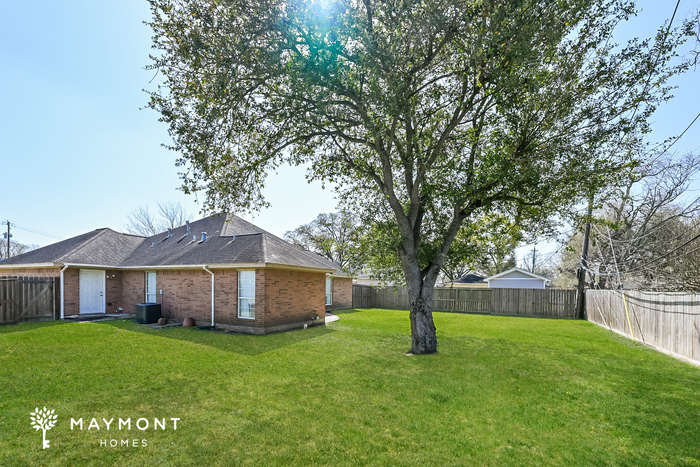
667	320
28	299
524	302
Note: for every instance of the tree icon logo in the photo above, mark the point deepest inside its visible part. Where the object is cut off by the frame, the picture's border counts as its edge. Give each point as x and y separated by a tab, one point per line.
43	420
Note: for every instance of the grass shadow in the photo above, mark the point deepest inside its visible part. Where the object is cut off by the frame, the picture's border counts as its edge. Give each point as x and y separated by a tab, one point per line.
239	343
24	327
348	311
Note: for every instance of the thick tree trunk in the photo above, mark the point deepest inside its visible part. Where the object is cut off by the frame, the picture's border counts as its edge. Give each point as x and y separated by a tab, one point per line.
423	336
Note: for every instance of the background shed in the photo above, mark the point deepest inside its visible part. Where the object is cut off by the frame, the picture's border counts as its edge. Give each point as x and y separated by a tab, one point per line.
516	279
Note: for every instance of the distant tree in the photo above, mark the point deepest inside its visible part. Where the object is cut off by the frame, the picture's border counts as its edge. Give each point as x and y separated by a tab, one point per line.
333	236
485	247
16	248
173	215
641	230
170	215
441	111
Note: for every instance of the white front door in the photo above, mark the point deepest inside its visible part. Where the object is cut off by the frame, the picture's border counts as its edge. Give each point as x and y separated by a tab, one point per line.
92	291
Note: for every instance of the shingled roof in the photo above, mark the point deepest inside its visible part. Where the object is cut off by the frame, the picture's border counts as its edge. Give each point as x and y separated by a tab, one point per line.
99	247
230	240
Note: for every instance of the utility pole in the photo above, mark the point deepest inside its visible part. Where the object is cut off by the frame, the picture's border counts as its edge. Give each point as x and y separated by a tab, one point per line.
584	264
8	236
534	252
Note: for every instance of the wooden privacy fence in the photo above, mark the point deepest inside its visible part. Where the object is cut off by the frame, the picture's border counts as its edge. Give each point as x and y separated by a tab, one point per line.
28	299
361	296
667	320
525	302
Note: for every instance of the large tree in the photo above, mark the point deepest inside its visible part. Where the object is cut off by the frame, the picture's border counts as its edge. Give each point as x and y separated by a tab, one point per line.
438	110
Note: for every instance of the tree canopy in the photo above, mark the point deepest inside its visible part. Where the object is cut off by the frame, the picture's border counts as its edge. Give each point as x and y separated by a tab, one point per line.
426	113
332	235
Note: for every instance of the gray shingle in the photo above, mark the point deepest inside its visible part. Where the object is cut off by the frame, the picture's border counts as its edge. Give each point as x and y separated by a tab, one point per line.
230	240
99	247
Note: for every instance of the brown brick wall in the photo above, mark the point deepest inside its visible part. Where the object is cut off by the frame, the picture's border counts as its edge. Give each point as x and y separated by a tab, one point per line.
342	293
113	284
281	297
186	293
261	306
293	296
113	292
71	289
226	299
133	290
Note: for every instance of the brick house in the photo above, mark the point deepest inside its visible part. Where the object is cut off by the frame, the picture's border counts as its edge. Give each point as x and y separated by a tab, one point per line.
220	270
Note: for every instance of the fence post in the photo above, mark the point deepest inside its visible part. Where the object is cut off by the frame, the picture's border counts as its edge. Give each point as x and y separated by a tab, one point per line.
17	300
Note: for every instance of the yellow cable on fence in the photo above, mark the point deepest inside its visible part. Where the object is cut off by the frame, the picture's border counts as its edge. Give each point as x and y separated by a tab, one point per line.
628	316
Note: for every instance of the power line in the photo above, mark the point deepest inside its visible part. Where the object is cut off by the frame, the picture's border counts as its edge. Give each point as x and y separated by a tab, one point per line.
649	232
658	55
39	232
675	140
646	86
668	240
643	266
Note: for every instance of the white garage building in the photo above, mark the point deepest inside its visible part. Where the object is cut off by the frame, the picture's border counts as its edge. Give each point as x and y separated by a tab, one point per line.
516	279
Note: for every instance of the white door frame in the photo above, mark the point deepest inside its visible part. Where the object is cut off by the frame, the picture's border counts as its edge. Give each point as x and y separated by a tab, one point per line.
102	308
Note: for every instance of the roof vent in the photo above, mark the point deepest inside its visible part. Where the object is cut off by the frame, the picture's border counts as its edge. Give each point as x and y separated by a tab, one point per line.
153	244
204	237
194	238
170	233
188	227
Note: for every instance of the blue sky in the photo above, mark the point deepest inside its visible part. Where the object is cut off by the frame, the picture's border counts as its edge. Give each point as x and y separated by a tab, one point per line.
77	153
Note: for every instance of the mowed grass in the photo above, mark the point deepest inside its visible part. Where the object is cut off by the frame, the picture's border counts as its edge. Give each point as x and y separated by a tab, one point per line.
502	391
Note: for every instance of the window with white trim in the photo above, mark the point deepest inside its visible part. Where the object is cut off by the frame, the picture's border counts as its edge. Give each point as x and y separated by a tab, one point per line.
151	287
246	294
329	290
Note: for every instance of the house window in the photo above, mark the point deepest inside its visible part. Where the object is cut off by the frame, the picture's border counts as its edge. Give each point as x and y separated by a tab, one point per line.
329	291
151	287
246	294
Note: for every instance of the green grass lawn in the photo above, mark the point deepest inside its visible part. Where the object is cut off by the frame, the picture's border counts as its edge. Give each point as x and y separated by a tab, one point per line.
502	391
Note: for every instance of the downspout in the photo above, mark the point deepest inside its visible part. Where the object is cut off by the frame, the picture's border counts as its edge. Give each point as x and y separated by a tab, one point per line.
62	291
212	294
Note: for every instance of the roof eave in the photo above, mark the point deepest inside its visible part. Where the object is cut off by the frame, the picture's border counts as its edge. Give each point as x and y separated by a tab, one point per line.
30	265
528	273
298	268
177	266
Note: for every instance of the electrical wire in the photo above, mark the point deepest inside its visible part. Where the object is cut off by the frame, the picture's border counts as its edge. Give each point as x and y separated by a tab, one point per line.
643	266
694	227
658	55
617	270
674	141
649	232
37	231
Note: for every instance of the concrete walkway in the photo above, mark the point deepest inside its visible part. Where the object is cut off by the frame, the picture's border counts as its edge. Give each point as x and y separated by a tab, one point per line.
330	317
96	317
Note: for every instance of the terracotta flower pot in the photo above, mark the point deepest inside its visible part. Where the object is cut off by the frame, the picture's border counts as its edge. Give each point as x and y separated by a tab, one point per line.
188	322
